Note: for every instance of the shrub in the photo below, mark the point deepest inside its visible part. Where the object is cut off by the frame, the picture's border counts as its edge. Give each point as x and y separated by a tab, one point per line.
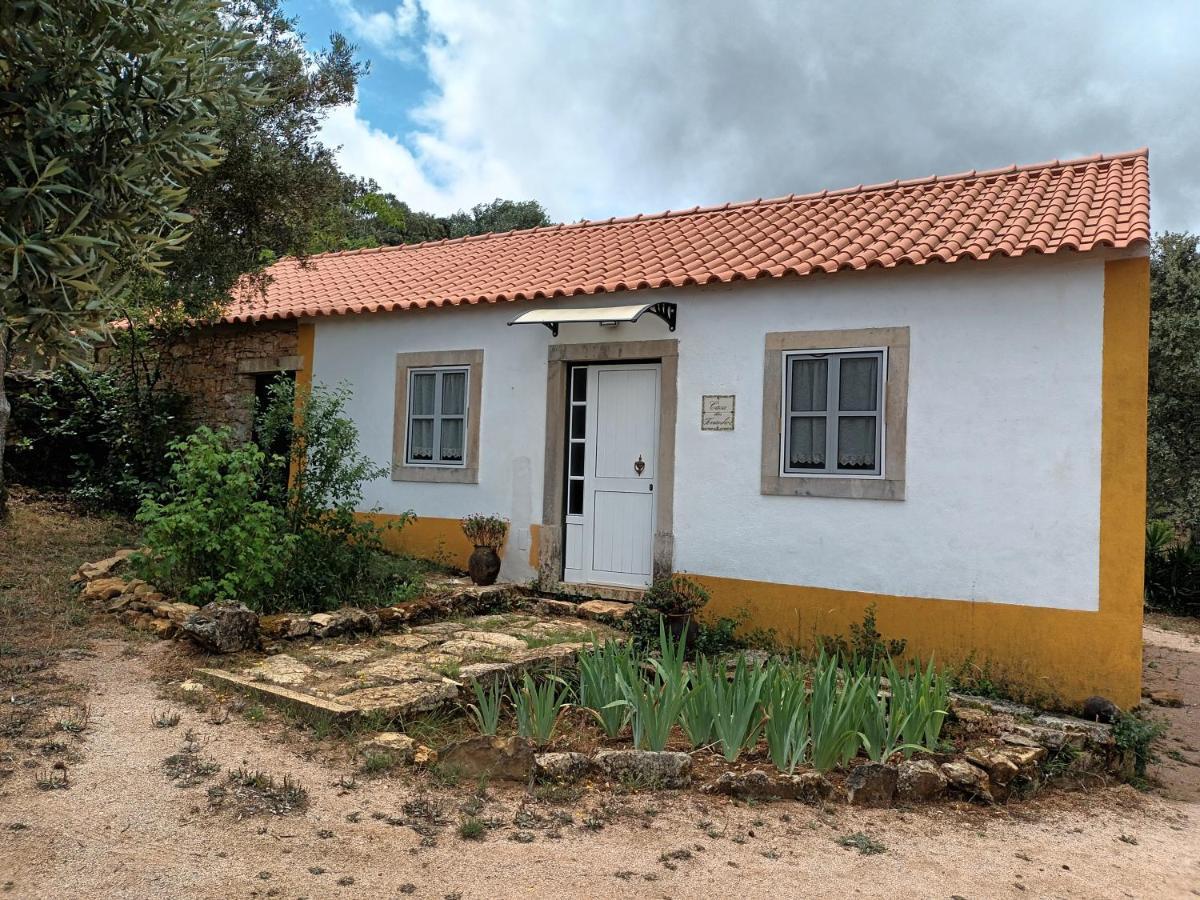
1172	579
676	595
1136	735
209	537
336	555
93	435
865	643
485	531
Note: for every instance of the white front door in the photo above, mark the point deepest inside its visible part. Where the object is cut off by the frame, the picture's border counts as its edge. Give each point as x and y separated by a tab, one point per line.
612	465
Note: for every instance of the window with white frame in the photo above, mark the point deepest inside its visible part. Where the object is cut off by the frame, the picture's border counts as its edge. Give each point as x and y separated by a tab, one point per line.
832	412
437	416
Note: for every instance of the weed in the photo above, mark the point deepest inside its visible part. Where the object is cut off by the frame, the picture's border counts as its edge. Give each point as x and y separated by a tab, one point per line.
863	843
471	829
539	704
557	793
865	643
375	763
446	776
257	791
188	768
1135	736
487	706
76	721
218	715
254	713
168	718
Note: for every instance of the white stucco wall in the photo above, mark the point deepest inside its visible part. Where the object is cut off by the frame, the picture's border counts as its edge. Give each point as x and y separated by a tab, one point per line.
1003	461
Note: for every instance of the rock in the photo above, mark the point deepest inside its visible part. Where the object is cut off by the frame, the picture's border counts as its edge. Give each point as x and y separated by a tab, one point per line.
400	747
919	781
424	756
1000	769
1100	709
968	779
103	568
1165	698
970	716
280	669
662	769
807	787
561	767
343	621
285	627
142	588
162	628
754	785
555	608
101	590
871	784
504	759
191	687
412	642
223	627
603	610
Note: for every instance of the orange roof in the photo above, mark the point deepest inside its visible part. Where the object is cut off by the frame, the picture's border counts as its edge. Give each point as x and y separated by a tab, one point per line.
1081	204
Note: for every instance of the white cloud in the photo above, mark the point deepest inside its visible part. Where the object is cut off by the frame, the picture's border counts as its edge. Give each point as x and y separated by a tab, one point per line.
388	32
623	107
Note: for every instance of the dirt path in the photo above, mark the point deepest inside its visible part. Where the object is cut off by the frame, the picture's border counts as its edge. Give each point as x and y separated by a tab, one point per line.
122	829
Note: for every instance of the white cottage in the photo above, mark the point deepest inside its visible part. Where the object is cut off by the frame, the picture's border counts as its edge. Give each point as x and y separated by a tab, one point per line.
927	395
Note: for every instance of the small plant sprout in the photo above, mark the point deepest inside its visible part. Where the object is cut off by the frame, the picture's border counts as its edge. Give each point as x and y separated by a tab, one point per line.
167	718
471	829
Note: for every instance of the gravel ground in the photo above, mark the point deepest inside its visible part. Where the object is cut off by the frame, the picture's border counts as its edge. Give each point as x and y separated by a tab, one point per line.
123	829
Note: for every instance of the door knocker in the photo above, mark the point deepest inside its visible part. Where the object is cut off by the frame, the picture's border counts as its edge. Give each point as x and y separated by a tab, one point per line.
640	465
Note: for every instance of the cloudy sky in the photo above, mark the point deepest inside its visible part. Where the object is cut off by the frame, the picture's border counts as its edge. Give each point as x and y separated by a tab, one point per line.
618	107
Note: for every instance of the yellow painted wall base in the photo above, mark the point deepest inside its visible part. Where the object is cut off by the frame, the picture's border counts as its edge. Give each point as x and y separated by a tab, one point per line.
1052	655
438	540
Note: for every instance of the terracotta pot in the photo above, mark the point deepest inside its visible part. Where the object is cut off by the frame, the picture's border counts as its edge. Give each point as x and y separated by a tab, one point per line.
483	566
679	624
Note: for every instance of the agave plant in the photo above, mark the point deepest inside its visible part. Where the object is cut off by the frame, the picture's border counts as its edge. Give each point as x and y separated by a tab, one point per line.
486	708
602	672
538	704
789	718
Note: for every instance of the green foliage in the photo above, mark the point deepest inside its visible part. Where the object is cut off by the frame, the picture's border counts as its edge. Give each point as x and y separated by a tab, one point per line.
603	670
485	531
209	538
738	720
789	718
655	702
90	435
1174	414
1172	580
676	595
835	709
923	697
539	704
1136	735
865	643
698	716
882	724
487	706
336	555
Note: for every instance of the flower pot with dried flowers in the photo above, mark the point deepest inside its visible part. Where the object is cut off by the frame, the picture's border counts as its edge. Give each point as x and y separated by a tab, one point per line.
488	534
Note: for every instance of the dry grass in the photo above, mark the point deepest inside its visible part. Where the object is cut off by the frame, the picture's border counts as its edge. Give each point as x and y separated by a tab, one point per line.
1181	624
44	542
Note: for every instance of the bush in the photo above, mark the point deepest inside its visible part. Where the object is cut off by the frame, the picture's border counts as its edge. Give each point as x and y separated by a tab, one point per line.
336	557
865	643
676	595
209	537
1172	577
93	436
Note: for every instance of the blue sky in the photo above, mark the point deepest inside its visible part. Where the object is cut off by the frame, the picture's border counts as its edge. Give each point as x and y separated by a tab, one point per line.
618	107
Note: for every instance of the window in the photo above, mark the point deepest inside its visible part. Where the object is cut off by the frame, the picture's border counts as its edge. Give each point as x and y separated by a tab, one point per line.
436	426
832	412
835	413
437	417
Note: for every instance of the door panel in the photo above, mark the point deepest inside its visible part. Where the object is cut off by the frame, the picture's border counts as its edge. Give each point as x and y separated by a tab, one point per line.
626	422
623	522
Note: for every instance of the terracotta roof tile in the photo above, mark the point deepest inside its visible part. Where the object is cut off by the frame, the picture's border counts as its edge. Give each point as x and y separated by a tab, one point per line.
1079	205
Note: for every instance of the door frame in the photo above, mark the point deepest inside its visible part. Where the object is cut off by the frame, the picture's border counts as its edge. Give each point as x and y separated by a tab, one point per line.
560	357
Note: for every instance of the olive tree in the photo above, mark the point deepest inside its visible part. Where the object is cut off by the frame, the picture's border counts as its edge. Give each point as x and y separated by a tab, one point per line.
107	110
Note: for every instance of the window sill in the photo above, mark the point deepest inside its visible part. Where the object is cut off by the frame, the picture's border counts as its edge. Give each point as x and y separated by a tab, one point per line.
848	487
437	474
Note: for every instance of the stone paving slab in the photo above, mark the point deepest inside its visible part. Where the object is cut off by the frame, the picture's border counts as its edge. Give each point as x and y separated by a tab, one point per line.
398	675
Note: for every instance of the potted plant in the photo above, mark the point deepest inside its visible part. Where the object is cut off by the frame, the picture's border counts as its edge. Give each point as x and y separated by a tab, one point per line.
487	533
677	598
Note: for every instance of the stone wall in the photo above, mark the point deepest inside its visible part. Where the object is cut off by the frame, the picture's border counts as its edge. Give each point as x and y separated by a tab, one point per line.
216	368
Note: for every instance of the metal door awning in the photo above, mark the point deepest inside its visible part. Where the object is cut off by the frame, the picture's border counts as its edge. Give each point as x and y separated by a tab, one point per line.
552	317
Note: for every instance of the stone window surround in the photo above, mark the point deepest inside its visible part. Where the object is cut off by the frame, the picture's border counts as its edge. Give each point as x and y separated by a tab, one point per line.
560	357
402	470
891	485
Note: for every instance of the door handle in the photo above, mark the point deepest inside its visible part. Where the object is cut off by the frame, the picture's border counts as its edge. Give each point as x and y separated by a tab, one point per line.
639	465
